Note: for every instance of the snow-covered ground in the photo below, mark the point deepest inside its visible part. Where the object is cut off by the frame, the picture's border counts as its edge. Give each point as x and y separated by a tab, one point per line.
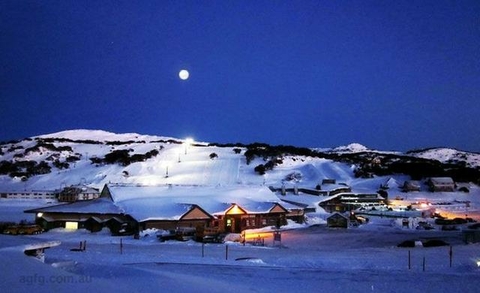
309	259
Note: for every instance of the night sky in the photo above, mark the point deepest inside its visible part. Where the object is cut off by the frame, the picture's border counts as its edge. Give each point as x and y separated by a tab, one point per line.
392	75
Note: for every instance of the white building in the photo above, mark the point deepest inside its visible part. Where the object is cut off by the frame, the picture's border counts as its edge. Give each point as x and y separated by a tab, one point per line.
29	194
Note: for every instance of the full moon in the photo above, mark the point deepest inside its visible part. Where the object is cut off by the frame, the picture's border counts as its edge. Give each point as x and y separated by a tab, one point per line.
183	74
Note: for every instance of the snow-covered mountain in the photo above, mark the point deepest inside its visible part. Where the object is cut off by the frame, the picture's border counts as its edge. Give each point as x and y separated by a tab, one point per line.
448	155
351	148
98	157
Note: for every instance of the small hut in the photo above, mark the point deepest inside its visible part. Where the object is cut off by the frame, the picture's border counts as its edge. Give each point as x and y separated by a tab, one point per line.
337	220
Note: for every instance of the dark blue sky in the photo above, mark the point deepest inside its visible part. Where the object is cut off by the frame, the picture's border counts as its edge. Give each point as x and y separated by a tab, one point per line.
392	75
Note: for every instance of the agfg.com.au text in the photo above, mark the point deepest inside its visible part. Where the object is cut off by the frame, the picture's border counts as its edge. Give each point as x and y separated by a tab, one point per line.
55	279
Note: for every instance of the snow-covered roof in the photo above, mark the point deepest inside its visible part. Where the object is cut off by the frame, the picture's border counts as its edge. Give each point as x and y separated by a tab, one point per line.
173	201
441	180
145	209
96	206
391	182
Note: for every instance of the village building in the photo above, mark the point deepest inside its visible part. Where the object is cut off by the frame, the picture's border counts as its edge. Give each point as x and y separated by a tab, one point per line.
217	210
351	201
78	192
30	194
92	215
439	184
328	187
337	220
411	185
225	209
389	183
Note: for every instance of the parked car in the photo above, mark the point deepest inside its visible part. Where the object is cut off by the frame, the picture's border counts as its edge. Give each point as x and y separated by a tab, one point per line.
125	229
185	233
23	230
180	234
217	238
424	226
166	235
474	226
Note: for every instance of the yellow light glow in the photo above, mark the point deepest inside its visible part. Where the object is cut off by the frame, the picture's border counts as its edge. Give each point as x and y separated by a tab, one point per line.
71	225
235	210
257	235
39	215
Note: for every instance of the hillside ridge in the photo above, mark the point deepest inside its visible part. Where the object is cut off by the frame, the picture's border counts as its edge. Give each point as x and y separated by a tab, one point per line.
97	157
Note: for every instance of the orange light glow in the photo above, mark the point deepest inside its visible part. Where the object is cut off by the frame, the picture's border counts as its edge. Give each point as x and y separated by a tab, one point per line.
235	210
256	235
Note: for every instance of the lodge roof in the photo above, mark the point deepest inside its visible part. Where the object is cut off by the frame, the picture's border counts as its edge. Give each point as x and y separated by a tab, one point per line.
441	180
171	202
96	206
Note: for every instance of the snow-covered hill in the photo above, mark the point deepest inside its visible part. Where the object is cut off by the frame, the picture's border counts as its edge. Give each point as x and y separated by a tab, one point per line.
73	157
98	157
448	155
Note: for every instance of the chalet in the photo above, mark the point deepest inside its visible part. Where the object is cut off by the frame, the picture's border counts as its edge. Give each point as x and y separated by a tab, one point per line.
337	220
411	185
78	192
438	184
250	216
83	214
173	216
350	201
389	183
168	208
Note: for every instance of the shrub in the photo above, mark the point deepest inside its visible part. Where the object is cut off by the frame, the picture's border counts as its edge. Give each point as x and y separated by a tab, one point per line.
260	169
60	165
213	156
117	156
123	157
96	160
72	159
7	167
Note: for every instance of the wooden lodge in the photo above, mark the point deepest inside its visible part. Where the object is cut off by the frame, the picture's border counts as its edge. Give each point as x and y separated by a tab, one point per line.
439	184
165	208
194	216
91	215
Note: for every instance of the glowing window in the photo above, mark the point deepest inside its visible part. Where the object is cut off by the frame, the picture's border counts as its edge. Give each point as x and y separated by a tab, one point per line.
71	225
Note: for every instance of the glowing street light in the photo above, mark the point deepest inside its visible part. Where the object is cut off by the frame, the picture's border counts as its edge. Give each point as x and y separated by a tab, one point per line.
188	142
